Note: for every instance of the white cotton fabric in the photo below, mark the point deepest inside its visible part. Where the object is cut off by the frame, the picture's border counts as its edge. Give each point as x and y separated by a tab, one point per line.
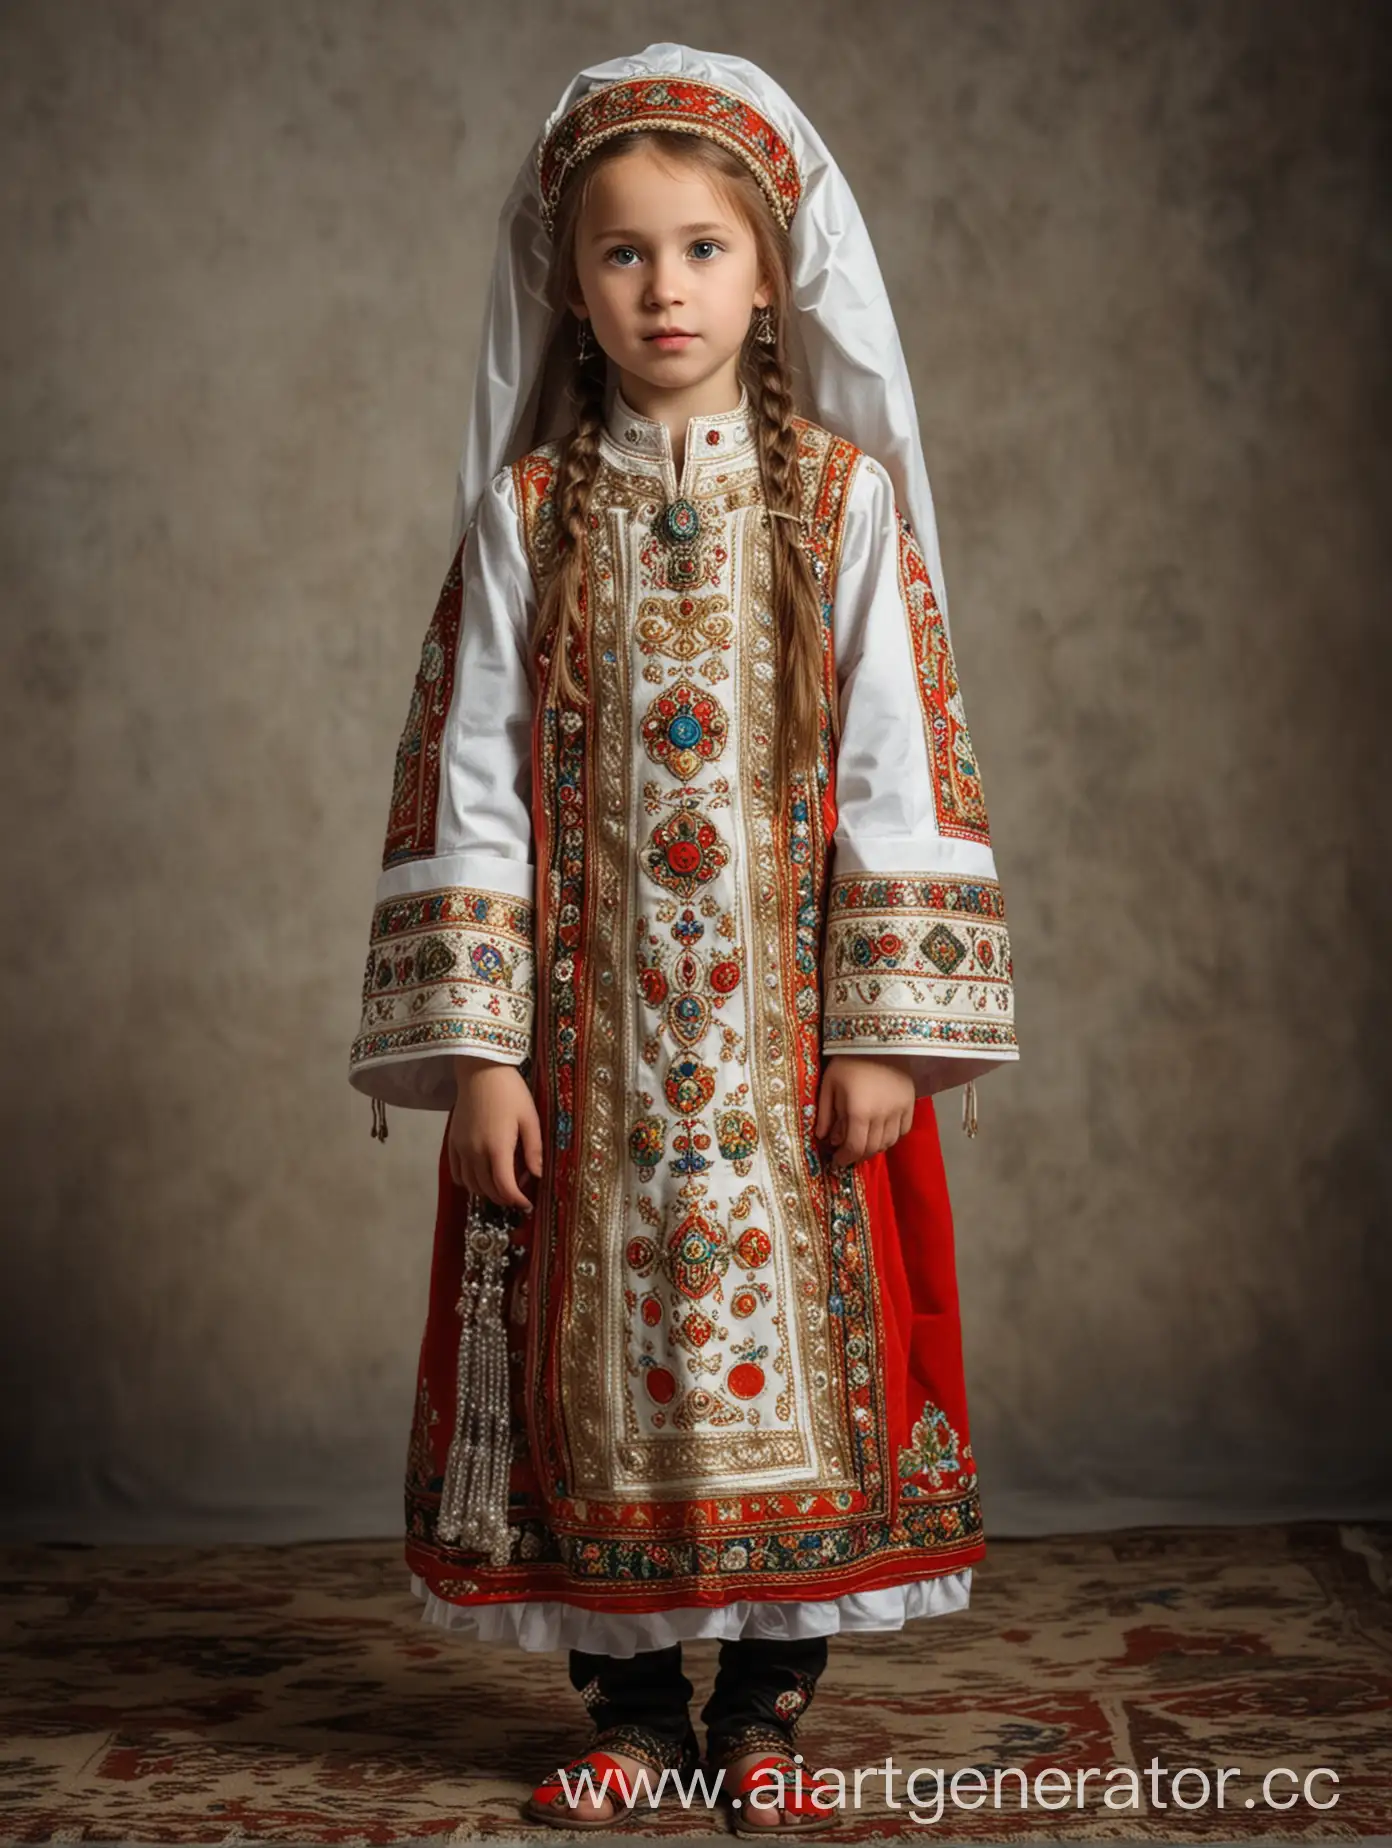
844	332
551	1625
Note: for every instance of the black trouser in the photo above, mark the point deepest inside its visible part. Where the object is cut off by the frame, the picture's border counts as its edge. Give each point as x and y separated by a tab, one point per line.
761	1686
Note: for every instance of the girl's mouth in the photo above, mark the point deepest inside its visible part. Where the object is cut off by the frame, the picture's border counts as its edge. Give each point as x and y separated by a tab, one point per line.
671	341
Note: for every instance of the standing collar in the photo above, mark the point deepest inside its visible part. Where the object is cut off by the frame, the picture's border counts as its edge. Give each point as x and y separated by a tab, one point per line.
719	436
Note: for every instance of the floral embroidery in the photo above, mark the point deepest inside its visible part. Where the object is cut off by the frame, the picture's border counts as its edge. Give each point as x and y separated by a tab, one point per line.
753	1248
697	1329
738	1136
689	1018
793	1701
647	1144
697	1254
934	1452
690	1143
915	959
689	1086
451	966
685	728
686	852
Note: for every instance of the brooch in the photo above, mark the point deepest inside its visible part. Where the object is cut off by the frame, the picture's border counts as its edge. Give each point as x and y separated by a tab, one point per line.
678	523
678	526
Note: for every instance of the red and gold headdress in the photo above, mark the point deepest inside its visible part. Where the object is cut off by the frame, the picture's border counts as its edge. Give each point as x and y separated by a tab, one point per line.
679	104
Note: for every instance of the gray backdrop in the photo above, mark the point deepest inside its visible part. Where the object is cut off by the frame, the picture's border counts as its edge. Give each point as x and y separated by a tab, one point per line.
1139	266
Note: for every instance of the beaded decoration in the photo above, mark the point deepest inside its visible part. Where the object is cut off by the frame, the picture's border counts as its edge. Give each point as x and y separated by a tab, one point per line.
679	528
474	1496
679	103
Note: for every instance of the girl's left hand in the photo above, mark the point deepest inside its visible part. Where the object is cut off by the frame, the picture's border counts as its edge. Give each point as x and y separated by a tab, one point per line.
865	1105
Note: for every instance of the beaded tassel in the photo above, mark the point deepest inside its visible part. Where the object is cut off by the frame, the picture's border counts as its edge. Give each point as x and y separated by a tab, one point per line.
969	1107
379	1120
474	1498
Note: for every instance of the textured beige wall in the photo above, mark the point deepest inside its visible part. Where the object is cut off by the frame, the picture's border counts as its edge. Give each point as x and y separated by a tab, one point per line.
1136	256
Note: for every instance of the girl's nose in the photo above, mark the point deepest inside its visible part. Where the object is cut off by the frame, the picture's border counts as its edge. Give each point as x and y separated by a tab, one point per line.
664	285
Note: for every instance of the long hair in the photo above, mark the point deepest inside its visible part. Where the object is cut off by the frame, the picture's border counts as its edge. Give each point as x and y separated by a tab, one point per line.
764	369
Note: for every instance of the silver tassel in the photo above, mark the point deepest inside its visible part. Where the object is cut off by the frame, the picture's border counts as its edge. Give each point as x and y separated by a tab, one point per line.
969	1107
474	1498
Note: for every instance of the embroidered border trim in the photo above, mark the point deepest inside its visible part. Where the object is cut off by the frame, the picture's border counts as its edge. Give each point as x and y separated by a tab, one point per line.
672	103
454	966
533	486
416	782
957	795
918	960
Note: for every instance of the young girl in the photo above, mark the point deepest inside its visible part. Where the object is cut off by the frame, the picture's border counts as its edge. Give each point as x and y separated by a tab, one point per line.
688	908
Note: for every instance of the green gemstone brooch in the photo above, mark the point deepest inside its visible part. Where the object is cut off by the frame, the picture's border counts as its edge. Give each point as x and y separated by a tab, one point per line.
678	523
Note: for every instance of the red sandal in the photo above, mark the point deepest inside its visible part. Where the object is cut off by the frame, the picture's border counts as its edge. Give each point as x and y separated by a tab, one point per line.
800	1814
627	1791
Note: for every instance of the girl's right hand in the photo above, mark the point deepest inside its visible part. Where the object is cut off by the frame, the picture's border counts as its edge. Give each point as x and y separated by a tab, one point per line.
494	1132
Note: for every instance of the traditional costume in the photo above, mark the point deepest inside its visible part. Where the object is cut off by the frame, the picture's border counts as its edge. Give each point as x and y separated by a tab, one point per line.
711	1386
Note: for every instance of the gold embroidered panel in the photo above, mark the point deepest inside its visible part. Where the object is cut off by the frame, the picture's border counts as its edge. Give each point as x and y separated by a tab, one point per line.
691	1339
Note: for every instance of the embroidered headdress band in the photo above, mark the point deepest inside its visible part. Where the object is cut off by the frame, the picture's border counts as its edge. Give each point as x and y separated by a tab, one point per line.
670	103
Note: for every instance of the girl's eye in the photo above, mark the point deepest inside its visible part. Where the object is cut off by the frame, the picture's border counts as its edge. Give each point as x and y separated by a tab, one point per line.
705	244
622	250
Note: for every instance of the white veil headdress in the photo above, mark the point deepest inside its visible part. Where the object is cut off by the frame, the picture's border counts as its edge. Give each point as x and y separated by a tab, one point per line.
844	339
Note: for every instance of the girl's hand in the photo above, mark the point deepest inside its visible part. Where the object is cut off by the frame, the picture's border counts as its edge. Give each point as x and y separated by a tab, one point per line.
493	1119
866	1105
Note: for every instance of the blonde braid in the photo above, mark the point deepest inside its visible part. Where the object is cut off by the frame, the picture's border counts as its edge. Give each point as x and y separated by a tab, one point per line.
559	609
797	598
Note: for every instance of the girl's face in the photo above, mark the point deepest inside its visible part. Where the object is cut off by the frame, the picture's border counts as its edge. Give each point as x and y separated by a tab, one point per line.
658	249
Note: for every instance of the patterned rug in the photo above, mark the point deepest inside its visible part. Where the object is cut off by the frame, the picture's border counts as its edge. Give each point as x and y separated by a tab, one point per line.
291	1694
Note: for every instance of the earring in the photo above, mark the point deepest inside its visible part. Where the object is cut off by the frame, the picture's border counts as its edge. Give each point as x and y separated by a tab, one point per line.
584	346
765	327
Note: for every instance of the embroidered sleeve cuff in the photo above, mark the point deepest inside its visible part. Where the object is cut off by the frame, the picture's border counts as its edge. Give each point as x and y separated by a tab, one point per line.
449	970
920	964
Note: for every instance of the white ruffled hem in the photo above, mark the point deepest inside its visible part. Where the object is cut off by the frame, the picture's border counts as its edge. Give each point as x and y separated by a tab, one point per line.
552	1625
